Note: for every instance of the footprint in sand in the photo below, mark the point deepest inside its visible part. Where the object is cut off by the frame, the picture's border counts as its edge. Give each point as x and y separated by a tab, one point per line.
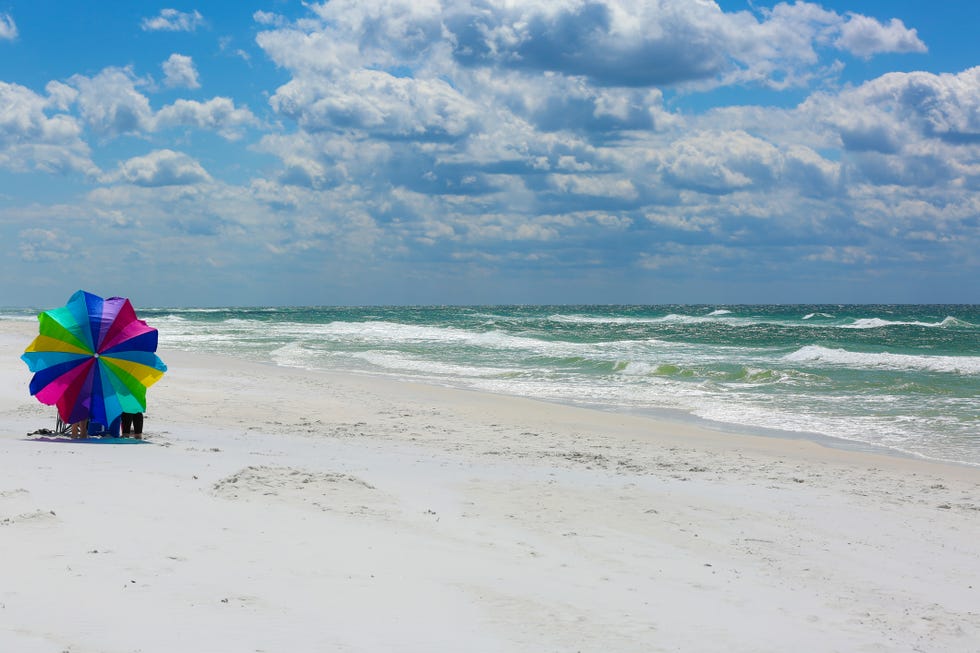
16	507
34	516
297	487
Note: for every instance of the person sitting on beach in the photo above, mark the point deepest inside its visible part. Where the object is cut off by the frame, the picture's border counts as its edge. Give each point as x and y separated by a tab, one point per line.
132	422
79	430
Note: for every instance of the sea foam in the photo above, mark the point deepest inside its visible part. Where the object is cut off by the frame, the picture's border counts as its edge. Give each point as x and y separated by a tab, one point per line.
855	359
877	323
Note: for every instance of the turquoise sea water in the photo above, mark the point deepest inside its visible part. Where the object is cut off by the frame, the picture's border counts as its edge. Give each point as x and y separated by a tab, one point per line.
902	377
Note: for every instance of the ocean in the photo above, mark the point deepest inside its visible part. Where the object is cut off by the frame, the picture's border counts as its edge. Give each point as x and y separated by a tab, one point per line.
904	378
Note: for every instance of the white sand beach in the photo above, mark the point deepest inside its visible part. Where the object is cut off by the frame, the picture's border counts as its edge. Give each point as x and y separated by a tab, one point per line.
280	510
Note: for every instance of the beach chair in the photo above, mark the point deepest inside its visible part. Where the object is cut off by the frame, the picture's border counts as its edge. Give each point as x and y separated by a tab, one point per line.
61	428
94	428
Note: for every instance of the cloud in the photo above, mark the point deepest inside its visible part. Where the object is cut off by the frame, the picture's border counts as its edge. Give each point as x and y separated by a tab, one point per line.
629	43
539	136
217	114
642	45
225	45
542	101
378	103
554	103
159	168
269	18
325	160
44	244
8	28
110	104
945	106
31	139
594	186
846	255
865	36
721	162
316	50
171	20
60	96
300	171
179	71
914	128
814	175
429	71
429	117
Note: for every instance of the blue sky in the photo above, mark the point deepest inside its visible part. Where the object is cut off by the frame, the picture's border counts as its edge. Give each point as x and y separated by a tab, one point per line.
488	151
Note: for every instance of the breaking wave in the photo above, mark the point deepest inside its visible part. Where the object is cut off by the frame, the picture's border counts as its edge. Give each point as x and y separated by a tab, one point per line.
886	360
877	323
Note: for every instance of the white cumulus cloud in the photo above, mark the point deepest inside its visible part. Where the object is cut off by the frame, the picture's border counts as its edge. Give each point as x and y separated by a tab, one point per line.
528	133
629	43
217	114
865	36
159	168
915	128
179	71
378	103
110	104
32	139
721	162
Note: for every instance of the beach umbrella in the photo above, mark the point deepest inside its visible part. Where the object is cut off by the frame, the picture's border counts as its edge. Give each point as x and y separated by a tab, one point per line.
93	359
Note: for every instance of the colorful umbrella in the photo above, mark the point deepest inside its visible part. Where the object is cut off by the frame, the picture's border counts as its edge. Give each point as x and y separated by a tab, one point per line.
93	359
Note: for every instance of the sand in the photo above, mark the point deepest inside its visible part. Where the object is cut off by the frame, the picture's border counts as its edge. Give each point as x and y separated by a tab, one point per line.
282	510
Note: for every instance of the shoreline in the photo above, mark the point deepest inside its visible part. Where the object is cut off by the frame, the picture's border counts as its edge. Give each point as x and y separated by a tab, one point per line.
681	416
667	416
676	417
619	427
280	509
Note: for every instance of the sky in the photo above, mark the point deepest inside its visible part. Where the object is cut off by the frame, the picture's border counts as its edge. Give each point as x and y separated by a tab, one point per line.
362	152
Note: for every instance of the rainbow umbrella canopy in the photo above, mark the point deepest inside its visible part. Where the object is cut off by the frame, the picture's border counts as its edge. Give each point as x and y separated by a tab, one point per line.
93	359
